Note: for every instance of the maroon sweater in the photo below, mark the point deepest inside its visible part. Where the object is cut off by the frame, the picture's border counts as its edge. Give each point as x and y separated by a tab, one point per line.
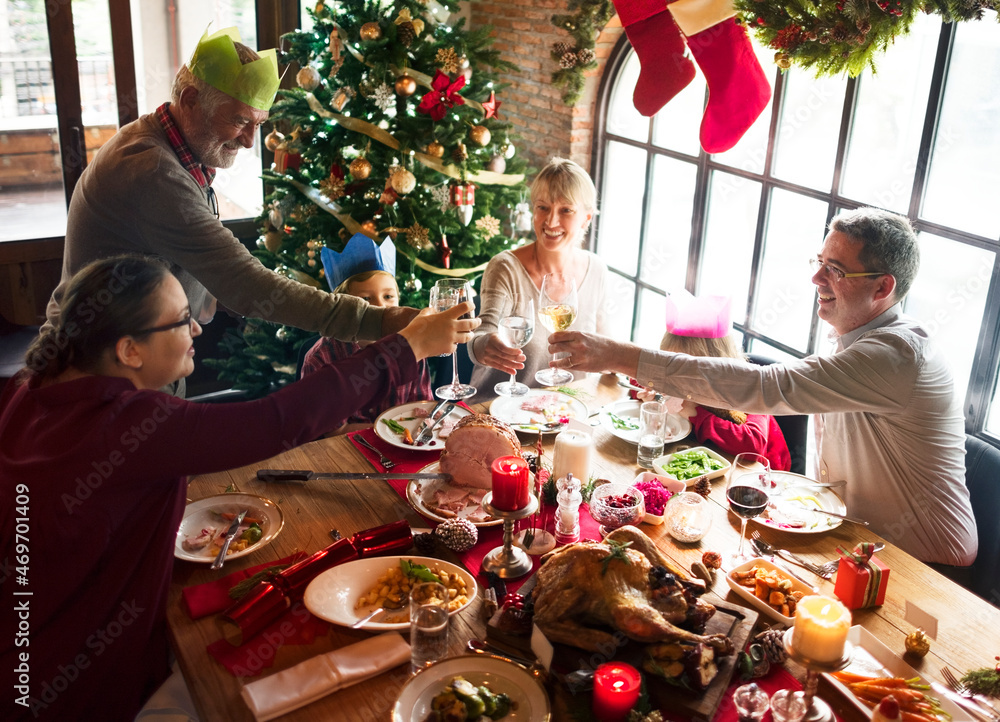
92	490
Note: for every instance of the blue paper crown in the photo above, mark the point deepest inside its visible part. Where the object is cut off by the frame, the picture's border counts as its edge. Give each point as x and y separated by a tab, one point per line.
359	255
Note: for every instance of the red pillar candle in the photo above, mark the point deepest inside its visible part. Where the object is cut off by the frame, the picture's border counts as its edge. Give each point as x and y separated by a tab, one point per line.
510	483
616	690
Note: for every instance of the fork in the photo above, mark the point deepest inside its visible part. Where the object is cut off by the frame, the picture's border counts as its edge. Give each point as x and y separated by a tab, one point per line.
384	460
824	570
956	684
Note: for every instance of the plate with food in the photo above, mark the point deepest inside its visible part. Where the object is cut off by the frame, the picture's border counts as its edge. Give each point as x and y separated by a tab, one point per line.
769	588
622	419
441	500
545	410
398	425
351	591
479	683
793	504
692	465
206	521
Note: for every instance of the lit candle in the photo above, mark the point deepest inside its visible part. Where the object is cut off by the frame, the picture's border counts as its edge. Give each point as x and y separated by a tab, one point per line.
572	454
510	483
821	627
616	690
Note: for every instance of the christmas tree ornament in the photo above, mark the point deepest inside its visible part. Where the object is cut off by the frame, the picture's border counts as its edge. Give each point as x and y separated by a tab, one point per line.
508	149
491	106
371	31
360	168
522	217
341	98
405	86
463	197
447	60
418	237
435	149
310	254
369	228
465	69
389	195
442	96
918	643
664	68
308	78
460	154
275	218
488	226
445	251
272	241
332	187
273	140
383	97
412	284
783	60
320	7
407	28
480	135
281	334
497	164
442	196
459	535
402	181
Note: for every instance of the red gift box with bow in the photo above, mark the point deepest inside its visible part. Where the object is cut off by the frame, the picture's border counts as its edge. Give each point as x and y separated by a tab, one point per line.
862	577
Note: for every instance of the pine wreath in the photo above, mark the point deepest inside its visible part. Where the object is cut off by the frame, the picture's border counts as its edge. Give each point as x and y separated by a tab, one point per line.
584	23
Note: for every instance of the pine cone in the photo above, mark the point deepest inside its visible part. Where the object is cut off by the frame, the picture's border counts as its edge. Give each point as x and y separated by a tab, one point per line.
774	647
703	487
460	154
567	61
561	49
425	543
586	56
459	535
406	34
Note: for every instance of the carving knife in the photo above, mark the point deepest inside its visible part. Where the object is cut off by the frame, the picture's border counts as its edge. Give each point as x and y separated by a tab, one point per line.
230	535
437	416
301	476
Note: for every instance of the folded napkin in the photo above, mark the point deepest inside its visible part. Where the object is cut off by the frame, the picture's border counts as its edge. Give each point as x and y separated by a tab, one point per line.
200	600
308	681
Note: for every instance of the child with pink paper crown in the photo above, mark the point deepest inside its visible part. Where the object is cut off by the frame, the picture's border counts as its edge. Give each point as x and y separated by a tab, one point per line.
700	327
368	271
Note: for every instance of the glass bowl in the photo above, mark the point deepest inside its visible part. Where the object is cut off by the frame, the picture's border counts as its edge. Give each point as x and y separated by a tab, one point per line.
615	505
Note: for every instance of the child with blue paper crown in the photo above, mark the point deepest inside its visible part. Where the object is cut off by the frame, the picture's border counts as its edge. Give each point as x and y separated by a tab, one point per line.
368	271
700	327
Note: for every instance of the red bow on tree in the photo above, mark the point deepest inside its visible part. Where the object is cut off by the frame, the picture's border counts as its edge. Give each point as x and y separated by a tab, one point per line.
443	96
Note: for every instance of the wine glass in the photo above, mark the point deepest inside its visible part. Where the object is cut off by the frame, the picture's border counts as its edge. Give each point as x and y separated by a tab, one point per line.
747	492
517	326
447	293
557	305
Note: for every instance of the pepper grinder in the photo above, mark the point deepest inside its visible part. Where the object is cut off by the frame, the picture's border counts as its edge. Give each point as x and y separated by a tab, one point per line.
568	514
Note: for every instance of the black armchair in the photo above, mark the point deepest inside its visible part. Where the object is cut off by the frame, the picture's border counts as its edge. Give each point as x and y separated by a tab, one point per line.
795	428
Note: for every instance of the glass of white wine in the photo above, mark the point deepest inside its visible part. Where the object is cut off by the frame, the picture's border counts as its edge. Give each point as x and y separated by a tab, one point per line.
557	305
447	293
516	327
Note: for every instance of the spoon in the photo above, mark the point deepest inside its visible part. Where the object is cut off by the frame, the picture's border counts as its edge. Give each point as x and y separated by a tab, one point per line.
387	606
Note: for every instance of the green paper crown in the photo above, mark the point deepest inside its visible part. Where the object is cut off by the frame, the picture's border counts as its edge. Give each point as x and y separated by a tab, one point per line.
215	61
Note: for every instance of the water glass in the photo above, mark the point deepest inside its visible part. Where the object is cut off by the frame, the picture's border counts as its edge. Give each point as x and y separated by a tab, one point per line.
652	431
428	625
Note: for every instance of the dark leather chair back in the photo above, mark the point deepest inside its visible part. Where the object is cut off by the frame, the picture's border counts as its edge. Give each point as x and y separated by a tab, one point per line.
982	476
795	428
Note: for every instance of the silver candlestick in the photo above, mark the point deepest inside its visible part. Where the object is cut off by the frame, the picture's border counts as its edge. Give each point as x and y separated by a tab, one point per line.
508	561
816	709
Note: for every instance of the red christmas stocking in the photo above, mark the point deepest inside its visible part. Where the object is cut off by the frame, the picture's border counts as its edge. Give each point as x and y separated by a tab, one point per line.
738	90
664	69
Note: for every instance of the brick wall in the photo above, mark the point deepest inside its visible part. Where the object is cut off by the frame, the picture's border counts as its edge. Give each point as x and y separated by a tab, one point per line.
524	35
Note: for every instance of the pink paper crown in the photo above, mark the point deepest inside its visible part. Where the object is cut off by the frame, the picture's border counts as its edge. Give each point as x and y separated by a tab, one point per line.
700	317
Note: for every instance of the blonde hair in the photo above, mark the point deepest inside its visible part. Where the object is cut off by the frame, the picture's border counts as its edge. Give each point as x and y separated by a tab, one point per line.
562	179
345	287
724	347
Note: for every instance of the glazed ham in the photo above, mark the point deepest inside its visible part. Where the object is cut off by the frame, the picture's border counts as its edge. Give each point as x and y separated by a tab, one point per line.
470	449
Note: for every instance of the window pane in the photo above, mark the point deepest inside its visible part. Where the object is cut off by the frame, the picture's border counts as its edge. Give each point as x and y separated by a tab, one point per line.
623	118
967	143
751	151
619	299
809	128
785	294
668	232
676	126
652	319
729	234
623	188
888	120
765	349
948	297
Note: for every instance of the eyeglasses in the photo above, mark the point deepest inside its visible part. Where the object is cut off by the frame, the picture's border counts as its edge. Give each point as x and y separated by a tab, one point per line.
838	275
213	202
188	321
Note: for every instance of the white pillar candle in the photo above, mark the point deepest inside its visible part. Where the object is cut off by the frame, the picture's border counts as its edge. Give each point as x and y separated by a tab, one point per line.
572	454
821	627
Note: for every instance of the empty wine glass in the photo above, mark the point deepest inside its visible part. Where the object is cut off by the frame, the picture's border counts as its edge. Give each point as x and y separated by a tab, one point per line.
447	293
557	306
747	492
516	327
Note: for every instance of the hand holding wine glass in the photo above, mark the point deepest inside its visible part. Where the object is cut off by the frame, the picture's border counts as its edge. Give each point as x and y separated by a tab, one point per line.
516	327
557	307
747	491
445	294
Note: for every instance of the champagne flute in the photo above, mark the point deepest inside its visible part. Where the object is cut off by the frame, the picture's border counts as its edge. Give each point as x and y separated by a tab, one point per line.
747	492
447	293
557	305
517	326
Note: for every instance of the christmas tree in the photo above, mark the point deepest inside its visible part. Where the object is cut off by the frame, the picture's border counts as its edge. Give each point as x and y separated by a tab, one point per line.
393	130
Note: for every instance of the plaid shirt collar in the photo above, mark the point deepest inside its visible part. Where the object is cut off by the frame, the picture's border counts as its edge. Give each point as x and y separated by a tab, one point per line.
202	173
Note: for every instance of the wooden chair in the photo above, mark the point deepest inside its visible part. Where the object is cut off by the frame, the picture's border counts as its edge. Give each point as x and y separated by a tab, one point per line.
982	476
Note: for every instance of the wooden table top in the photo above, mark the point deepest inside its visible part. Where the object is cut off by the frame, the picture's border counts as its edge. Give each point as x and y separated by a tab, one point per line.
968	627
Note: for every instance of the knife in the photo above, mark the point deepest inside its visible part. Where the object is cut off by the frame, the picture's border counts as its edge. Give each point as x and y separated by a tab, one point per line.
230	535
304	475
968	705
427	427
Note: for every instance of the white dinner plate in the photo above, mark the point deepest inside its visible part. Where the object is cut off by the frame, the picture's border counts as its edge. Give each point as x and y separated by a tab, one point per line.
628	411
334	594
790	506
530	702
403	414
660	463
553	406
203	514
421	493
747	594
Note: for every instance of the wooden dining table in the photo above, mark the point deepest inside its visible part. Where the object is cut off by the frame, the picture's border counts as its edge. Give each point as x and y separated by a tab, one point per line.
968	631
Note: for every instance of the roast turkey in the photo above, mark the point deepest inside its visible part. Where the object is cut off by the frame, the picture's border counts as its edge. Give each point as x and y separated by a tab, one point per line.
471	447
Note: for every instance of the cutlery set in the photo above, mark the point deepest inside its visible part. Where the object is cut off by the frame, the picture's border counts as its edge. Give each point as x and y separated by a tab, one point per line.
825	570
230	535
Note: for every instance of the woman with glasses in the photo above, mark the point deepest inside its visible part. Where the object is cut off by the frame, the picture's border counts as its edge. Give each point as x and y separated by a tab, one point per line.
93	467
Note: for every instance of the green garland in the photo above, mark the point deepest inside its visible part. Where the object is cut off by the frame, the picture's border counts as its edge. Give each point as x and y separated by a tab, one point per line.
584	24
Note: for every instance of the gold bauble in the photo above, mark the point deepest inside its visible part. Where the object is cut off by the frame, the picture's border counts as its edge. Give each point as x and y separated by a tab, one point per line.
308	78
405	86
369	227
480	135
273	140
435	149
360	168
917	643
402	181
783	60
371	31
272	241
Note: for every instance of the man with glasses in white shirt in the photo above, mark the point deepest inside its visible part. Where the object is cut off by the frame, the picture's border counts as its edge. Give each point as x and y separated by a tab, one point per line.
893	427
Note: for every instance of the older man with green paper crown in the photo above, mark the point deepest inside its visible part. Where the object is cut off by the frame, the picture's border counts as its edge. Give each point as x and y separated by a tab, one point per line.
149	190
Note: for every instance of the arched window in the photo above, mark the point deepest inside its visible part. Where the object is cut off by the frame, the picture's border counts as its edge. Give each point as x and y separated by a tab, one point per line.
919	138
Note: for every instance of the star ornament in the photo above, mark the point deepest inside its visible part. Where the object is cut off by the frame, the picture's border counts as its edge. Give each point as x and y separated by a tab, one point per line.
491	106
443	95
